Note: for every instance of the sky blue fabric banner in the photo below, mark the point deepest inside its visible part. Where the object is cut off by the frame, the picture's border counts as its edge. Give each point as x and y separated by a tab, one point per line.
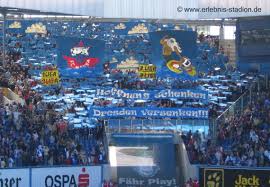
153	112
78	54
173	52
162	94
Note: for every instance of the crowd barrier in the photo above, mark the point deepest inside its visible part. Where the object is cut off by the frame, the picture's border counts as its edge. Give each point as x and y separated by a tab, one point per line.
157	125
93	176
87	176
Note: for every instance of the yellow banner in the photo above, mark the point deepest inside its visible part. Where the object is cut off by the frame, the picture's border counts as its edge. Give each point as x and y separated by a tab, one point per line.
147	75
50	77
147	71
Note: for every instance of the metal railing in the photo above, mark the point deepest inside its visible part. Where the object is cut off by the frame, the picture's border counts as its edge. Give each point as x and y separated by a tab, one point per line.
156	125
237	107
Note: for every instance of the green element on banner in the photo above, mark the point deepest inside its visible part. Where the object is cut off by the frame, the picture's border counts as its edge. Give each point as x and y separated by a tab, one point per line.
214	180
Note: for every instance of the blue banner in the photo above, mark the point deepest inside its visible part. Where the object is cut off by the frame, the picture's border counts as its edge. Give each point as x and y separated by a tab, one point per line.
80	54
173	52
153	112
163	94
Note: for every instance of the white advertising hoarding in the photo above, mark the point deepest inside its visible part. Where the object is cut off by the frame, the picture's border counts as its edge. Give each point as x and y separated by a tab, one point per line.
89	176
14	177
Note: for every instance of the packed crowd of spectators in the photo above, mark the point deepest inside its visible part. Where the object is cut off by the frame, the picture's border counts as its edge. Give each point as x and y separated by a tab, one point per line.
108	184
242	140
32	133
212	40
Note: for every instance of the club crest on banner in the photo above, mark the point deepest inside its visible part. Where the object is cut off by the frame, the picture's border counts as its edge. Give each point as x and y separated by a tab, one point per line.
80	57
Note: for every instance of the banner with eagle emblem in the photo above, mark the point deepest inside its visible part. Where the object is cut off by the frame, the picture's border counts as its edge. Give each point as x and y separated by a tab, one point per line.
173	53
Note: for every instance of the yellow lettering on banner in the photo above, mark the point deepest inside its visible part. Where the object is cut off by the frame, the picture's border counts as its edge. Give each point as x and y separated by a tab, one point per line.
147	68
50	77
148	75
247	181
147	71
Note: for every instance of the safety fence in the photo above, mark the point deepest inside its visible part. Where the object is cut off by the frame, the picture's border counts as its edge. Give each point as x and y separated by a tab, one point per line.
238	106
156	125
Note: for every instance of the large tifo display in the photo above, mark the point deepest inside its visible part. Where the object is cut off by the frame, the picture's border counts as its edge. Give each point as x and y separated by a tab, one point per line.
89	176
213	177
192	113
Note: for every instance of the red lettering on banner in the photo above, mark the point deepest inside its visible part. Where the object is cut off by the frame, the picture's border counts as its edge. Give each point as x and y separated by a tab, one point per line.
87	62
84	179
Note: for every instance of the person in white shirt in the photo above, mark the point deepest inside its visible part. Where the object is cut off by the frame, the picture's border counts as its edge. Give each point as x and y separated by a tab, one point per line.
267	154
2	163
10	162
253	136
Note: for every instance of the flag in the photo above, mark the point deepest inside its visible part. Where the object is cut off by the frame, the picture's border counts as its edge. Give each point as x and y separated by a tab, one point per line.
172	53
80	54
